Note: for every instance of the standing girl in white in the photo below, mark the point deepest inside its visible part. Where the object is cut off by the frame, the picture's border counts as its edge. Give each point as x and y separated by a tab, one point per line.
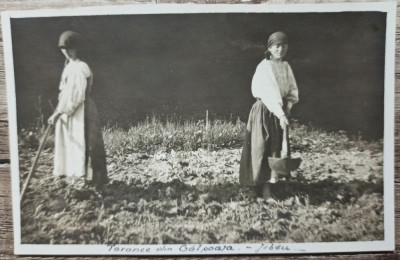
275	89
79	147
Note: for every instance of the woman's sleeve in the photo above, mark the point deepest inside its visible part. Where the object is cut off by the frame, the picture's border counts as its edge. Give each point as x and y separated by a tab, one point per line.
293	93
263	88
73	94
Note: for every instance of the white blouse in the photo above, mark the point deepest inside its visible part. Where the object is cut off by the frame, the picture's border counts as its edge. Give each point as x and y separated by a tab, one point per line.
272	82
74	81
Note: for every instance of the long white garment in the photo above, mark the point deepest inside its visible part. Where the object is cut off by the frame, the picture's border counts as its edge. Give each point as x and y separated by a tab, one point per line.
273	81
70	148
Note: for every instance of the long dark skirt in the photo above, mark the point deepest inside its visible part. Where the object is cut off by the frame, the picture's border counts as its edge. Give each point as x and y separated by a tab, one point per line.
95	152
263	139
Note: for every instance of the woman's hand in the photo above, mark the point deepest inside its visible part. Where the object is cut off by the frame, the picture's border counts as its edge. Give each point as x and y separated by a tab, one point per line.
53	119
288	108
283	121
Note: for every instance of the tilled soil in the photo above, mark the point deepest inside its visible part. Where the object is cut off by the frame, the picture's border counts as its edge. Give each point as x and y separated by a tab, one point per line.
194	197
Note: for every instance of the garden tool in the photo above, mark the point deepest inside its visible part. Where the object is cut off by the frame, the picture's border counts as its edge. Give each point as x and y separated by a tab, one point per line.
283	165
46	133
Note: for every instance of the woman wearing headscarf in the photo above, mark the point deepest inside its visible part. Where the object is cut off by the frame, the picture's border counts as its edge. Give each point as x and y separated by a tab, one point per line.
275	90
79	147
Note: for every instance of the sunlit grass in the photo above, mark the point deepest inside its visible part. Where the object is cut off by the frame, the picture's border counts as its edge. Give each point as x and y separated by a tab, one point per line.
154	135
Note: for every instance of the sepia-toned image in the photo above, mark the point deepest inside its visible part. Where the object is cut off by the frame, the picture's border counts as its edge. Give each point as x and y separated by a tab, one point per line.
196	132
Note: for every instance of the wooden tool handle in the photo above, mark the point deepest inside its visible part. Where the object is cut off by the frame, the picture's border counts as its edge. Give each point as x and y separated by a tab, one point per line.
35	162
285	153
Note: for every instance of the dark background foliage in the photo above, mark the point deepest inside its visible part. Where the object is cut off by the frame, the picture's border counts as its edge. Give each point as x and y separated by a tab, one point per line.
185	64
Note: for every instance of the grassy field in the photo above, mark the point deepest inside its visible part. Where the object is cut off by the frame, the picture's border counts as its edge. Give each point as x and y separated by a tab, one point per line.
177	182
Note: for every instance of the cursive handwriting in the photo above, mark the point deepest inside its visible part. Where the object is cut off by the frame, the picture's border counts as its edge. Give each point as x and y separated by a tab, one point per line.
203	248
128	249
198	249
271	247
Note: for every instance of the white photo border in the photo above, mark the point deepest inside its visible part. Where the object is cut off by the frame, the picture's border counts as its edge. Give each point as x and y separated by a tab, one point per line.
388	244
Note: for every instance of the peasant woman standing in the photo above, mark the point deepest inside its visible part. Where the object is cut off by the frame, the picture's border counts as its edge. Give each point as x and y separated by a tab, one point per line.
275	90
79	147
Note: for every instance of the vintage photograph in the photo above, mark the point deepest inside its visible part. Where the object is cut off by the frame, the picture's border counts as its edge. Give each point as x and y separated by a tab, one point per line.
223	128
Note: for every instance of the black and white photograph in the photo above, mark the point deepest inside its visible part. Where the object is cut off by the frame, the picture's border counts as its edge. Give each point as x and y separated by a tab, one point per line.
223	129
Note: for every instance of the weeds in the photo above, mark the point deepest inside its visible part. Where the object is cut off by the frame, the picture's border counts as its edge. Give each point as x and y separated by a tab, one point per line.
153	135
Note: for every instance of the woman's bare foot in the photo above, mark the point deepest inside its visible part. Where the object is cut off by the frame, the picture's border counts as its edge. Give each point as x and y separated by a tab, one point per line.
274	177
